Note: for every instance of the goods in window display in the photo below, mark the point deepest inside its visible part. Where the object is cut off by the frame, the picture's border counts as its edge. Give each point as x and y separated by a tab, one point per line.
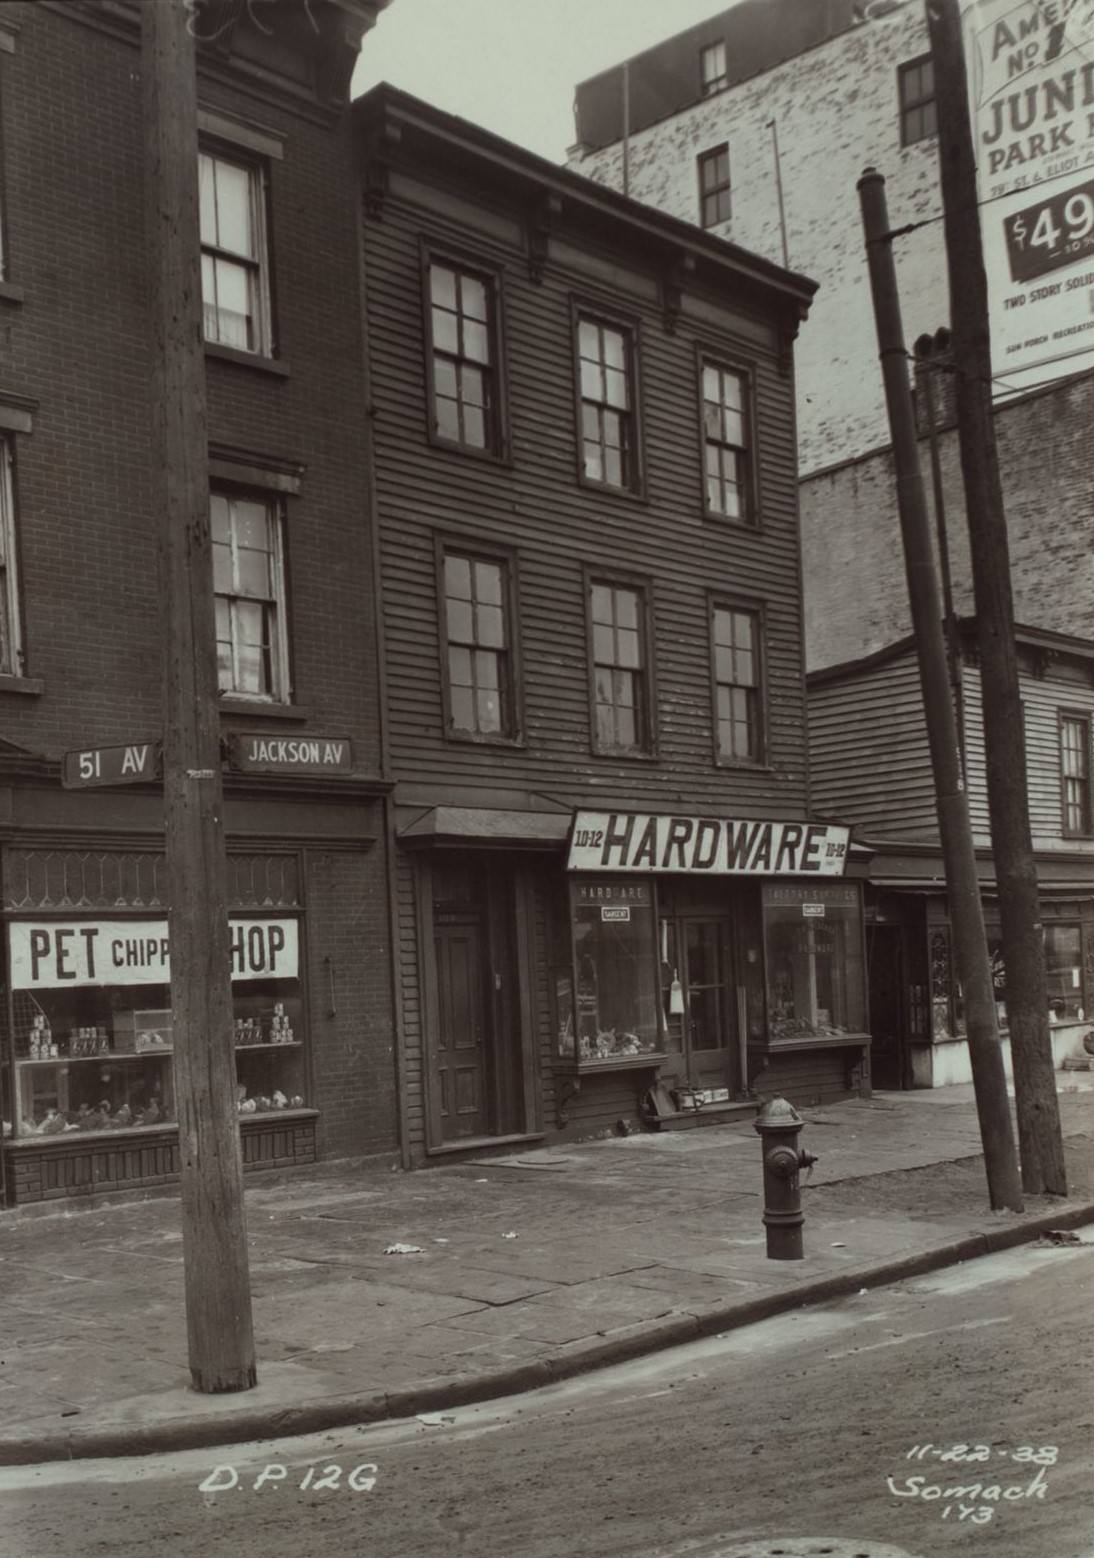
614	1006
813	939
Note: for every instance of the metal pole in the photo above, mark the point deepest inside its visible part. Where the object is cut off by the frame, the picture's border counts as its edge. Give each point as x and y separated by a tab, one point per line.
966	910
214	1238
779	189
626	127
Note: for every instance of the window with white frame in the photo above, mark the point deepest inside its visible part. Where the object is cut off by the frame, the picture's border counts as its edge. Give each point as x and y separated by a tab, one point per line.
713	71
234	261
11	649
249	583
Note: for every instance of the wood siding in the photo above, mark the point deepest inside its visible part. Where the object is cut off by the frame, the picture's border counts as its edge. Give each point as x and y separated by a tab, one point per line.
870	760
536	505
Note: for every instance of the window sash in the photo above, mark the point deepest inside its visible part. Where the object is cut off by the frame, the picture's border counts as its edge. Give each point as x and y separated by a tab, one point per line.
725	402
234	264
916	90
1075	773
252	640
620	688
712	68
738	687
11	647
464	351
478	657
605	369
715	199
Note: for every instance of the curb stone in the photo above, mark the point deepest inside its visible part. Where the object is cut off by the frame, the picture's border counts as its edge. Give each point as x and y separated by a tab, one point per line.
632	1341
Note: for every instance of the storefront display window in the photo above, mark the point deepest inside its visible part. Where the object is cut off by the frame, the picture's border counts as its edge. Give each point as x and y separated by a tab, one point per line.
614	1011
813	945
92	1033
1064	973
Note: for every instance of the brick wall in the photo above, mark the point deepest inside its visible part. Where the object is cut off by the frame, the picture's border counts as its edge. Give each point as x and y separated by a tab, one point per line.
835	112
852	557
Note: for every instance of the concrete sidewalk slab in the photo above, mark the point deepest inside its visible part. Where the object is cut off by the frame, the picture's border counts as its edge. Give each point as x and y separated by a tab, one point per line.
622	1246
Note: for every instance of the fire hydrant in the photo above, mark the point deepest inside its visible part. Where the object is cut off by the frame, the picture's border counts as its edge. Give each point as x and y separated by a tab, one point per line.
778	1123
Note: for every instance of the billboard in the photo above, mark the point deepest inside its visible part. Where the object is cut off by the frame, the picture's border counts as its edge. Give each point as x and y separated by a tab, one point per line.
1030	68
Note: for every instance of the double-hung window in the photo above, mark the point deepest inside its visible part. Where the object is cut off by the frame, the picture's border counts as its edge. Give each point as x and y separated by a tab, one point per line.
620	670
234	258
725	442
738	687
714	188
713	73
1075	773
464	368
11	650
918	111
478	645
249	584
609	428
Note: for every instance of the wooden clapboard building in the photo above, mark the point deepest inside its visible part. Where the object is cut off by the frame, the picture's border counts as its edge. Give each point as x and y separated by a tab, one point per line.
870	759
583	470
88	1101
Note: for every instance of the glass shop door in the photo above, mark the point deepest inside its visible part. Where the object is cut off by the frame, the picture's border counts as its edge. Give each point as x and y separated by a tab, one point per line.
699	999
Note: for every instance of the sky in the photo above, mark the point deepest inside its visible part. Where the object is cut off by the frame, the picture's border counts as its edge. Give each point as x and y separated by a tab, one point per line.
512	65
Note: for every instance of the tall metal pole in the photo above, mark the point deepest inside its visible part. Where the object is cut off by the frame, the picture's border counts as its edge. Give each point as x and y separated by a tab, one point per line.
218	1300
1039	1136
959	856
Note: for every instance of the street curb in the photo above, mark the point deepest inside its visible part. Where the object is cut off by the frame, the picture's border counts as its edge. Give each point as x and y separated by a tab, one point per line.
435	1395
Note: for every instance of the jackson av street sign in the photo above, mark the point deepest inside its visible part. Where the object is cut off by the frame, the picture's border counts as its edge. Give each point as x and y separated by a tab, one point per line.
270	754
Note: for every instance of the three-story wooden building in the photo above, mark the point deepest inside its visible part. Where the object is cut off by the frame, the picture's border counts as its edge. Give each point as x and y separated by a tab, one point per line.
583	471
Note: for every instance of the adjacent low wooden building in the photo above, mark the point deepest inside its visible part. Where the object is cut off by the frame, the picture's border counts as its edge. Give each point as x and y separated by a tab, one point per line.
583	468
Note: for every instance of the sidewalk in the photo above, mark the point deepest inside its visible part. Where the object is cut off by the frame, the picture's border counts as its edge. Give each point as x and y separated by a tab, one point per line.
529	1267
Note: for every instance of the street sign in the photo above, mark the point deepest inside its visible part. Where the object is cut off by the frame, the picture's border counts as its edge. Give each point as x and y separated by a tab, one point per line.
135	764
264	753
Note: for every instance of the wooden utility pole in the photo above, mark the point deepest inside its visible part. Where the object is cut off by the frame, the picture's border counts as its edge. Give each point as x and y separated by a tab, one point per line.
218	1299
1040	1143
959	856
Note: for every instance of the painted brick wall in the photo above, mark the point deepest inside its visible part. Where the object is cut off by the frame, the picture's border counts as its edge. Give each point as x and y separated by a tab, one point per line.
852	557
352	1029
78	344
834	109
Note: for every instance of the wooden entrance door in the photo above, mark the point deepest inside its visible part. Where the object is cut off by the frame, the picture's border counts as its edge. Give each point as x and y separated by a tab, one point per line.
889	1065
461	1028
699	955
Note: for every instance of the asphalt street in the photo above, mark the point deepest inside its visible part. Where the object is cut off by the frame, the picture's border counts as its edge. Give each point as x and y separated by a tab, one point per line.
949	1414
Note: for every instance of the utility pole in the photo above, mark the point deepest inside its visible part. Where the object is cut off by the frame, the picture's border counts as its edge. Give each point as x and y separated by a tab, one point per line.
1040	1143
966	910
218	1299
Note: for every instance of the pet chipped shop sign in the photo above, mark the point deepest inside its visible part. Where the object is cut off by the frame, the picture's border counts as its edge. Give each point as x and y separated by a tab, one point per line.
710	846
57	954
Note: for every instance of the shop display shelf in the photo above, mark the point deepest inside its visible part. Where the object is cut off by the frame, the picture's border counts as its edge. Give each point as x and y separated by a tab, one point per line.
107	1055
269	1045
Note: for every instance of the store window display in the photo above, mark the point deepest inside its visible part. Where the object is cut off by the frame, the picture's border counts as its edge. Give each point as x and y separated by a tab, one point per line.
613	1012
813	942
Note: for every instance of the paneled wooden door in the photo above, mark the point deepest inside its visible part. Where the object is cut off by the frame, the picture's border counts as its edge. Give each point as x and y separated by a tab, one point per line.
462	1026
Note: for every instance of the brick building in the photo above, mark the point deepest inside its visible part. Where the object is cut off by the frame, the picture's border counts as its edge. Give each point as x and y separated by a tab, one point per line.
586	499
87	1088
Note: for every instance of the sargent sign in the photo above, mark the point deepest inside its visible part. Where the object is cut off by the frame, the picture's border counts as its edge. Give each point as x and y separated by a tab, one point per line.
713	846
55	954
1030	67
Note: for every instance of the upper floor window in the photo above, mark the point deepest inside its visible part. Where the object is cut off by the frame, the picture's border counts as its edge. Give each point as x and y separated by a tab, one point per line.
11	649
609	434
712	68
478	664
738	693
466	405
725	441
622	719
1075	772
234	263
714	191
251	610
918	118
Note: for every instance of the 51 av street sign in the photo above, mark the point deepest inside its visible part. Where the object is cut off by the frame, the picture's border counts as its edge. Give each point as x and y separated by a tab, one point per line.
139	762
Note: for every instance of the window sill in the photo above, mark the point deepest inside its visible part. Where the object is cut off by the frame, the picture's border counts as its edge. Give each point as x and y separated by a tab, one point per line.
469	739
624	755
499	457
255	709
270	365
733	521
741	765
9	293
627	494
29	686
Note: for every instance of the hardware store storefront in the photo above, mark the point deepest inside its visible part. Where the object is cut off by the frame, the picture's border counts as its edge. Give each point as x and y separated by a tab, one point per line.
667	960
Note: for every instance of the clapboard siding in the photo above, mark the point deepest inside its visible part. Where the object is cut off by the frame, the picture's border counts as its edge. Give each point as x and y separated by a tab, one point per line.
869	758
1043	700
535	505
